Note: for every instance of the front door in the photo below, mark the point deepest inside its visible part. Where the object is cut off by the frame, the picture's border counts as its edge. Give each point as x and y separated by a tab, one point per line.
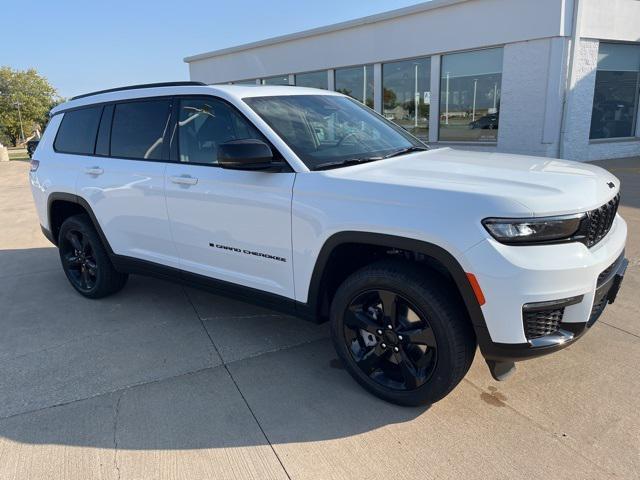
229	225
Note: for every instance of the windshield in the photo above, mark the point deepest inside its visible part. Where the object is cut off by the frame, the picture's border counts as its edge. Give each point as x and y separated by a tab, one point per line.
328	131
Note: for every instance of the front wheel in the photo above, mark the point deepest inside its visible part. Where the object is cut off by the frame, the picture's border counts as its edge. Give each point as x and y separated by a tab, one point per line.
85	261
401	334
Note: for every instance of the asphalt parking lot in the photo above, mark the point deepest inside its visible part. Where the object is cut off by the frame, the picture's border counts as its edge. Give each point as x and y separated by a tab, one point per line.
161	381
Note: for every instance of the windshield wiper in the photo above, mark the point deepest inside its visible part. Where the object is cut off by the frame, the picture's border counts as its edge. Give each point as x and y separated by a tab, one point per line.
345	163
356	161
402	151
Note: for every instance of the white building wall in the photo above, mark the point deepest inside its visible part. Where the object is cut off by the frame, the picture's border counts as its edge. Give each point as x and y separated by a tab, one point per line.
523	108
536	36
611	20
576	145
435	27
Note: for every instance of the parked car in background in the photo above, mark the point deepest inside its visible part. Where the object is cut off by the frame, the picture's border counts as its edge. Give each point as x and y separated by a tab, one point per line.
488	122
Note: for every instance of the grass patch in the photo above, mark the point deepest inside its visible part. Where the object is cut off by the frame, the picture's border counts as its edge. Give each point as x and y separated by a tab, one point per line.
18	154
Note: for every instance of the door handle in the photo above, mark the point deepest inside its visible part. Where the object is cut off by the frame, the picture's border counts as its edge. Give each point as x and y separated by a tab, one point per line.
94	171
184	180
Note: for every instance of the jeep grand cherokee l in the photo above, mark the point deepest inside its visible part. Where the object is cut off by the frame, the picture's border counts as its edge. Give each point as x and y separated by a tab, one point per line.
308	202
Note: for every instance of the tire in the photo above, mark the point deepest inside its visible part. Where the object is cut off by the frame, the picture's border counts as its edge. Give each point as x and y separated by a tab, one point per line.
429	347
85	261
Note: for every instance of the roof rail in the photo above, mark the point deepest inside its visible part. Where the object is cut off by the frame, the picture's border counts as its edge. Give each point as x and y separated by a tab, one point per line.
144	85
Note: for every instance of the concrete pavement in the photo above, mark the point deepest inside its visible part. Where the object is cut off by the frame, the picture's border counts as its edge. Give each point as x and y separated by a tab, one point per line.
161	381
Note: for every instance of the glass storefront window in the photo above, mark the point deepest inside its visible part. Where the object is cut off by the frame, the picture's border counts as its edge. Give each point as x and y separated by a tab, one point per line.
406	89
313	79
277	80
357	82
470	85
615	100
244	82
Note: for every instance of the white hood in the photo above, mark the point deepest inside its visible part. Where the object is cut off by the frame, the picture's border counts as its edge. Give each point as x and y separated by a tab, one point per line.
542	185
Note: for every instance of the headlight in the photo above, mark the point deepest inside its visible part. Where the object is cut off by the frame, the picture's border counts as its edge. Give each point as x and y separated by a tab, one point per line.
534	230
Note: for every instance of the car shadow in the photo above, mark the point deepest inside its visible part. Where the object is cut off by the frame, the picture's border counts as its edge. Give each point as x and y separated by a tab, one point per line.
142	369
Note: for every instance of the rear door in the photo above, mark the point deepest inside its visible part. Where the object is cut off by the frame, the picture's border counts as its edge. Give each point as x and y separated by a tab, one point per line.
229	225
123	181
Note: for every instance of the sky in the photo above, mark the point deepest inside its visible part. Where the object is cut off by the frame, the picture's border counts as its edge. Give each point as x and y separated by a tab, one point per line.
83	46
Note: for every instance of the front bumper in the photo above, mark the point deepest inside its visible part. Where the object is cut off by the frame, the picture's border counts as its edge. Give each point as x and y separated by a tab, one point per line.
514	278
568	333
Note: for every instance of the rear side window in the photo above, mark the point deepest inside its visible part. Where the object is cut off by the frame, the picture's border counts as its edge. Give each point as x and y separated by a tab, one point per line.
77	132
138	129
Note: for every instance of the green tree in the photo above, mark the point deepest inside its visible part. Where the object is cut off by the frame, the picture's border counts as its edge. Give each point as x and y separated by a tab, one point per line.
35	97
389	98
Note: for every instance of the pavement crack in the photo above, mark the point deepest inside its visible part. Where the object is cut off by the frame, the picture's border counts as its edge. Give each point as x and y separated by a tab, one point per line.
620	329
116	415
121	389
12	357
224	364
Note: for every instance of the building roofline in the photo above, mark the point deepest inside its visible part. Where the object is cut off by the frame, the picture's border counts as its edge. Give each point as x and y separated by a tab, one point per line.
336	27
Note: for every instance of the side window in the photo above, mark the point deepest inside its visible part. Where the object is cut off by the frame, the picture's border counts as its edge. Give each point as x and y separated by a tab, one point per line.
138	129
77	132
203	124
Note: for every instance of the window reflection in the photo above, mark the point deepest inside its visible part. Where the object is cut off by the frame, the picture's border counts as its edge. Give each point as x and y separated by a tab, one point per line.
277	80
357	82
470	95
244	82
615	100
203	125
406	89
313	80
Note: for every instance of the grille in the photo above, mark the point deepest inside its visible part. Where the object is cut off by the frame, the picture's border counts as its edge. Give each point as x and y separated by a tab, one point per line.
600	221
542	322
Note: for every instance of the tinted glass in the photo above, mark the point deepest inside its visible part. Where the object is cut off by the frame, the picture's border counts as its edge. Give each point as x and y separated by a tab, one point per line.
615	100
104	131
138	129
205	124
313	80
278	80
77	132
470	96
406	88
357	82
326	128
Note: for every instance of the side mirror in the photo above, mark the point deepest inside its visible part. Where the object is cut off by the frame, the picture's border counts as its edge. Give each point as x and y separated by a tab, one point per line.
247	154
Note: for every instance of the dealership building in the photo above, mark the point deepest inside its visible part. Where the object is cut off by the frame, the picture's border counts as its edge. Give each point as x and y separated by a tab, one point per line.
558	78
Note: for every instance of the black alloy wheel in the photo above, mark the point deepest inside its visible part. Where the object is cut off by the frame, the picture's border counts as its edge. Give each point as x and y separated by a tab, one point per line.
85	260
390	340
79	260
402	332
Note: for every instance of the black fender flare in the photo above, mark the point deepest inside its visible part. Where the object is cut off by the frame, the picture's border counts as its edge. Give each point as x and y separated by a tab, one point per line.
446	259
72	198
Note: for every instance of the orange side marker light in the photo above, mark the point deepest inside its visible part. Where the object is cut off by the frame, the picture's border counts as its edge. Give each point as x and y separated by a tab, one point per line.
476	288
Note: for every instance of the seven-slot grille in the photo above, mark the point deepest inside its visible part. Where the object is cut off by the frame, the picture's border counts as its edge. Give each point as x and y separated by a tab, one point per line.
600	221
542	322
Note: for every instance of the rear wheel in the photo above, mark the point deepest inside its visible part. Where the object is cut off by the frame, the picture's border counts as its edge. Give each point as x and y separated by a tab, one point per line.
85	261
401	334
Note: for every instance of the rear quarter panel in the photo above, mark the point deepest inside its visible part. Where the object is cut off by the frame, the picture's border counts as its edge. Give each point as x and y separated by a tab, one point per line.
57	173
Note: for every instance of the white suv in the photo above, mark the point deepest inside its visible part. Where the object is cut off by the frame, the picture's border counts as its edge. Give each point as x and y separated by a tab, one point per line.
310	203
